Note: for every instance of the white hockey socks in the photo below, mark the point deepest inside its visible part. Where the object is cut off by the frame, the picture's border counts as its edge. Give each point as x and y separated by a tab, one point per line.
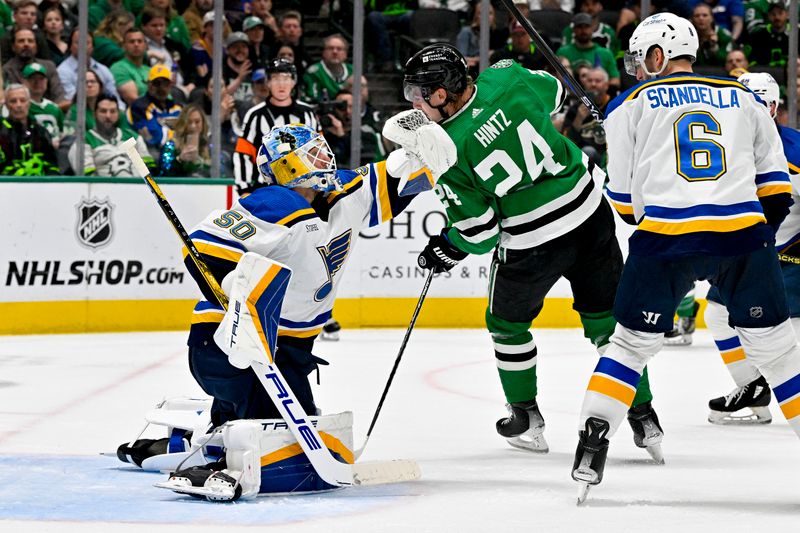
730	347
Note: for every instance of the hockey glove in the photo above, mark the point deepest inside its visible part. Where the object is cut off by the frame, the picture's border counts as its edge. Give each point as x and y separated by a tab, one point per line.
440	255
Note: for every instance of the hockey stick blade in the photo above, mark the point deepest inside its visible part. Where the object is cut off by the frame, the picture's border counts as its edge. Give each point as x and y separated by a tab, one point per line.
383	472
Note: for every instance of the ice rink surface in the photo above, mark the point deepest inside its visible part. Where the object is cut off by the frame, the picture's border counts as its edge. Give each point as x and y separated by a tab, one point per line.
64	399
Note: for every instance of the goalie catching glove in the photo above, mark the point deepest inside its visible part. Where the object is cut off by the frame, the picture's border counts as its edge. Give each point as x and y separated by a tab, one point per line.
439	254
426	151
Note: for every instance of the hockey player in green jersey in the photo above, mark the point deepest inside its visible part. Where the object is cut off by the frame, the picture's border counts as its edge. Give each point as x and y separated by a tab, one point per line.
525	192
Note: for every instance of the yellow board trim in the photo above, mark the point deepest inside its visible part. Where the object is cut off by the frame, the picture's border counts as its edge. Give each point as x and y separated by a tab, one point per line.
717	225
101	316
612	389
733	356
791	408
287	452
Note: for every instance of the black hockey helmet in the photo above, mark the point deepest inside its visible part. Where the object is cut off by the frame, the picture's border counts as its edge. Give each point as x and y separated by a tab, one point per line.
436	65
281	65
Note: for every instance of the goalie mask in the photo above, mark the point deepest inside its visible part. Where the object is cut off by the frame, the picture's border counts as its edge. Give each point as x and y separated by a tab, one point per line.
435	66
765	86
674	35
297	156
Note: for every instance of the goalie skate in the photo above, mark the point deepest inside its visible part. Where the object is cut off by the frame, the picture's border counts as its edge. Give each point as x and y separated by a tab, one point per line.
647	432
204	482
743	406
590	456
524	427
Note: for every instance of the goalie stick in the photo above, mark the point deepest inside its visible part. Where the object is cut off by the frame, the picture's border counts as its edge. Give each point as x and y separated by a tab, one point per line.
329	469
414	316
574	87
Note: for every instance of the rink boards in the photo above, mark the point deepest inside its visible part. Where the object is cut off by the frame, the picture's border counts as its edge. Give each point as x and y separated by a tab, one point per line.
97	255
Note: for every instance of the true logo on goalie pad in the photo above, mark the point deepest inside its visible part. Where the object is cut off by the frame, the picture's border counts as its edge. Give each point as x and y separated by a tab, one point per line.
237	308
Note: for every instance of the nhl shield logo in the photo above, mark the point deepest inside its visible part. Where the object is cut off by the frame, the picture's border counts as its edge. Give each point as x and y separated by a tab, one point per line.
94	227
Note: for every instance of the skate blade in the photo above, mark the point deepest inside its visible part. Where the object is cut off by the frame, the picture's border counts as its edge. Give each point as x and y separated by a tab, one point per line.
583	492
758	415
535	443
682	340
656	453
214	493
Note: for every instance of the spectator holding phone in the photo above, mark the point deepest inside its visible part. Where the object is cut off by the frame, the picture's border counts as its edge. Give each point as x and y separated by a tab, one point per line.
715	42
187	154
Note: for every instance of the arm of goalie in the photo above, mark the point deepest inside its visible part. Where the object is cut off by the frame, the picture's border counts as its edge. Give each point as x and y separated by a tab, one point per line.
249	330
423	143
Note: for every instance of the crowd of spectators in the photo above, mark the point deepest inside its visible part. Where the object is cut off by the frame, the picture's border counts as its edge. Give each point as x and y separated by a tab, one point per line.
150	66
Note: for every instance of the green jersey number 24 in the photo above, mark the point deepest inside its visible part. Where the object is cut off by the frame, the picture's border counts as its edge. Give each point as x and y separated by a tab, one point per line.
528	138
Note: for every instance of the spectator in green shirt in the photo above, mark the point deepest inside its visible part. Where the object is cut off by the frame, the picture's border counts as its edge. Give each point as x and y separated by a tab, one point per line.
583	49
130	72
323	80
715	41
602	33
110	35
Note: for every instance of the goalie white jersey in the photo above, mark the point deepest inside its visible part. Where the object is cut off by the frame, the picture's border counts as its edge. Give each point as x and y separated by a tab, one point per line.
672	165
314	240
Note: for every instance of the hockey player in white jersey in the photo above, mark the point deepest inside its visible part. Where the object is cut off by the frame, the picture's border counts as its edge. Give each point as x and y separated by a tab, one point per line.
696	164
749	402
307	221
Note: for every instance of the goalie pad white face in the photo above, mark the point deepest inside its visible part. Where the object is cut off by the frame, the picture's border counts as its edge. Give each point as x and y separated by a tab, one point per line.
249	330
425	140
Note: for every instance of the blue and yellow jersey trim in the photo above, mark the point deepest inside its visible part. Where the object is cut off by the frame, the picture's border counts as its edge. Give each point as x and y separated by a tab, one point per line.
771	183
207	313
621	202
217	247
614	380
381	210
674	79
303	330
277	205
790	138
352	180
704	217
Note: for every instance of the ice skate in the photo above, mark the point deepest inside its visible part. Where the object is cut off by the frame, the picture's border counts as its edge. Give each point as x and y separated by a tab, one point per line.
208	481
647	432
755	396
590	457
330	331
681	334
524	427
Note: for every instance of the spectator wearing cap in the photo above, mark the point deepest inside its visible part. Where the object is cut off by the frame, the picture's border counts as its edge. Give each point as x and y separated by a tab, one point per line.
325	79
68	69
153	115
769	46
25	14
584	49
260	51
602	33
202	51
25	52
237	66
42	111
131	72
520	49
26	148
102	153
280	109
714	41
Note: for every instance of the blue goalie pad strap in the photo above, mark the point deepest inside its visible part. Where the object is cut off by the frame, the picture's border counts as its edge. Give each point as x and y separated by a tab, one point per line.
176	441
